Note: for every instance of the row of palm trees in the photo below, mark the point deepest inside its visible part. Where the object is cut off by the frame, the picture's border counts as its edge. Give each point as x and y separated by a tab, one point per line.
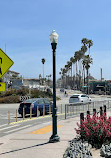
77	68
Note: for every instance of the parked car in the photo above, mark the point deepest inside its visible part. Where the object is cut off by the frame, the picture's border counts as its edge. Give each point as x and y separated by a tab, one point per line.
79	98
62	90
34	103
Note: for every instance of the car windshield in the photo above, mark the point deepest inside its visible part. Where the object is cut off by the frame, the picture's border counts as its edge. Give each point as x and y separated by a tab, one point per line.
47	101
30	100
74	96
83	96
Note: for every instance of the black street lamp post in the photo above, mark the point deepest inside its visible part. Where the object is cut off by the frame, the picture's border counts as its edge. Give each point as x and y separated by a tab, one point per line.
54	138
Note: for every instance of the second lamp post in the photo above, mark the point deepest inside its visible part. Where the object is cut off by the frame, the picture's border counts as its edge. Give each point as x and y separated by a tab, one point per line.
53	39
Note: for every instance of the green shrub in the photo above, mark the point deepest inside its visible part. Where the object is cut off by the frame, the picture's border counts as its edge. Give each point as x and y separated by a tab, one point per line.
40	94
22	91
10	99
12	95
9	92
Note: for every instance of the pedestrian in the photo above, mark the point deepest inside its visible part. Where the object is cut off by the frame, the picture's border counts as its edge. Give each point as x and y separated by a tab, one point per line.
66	95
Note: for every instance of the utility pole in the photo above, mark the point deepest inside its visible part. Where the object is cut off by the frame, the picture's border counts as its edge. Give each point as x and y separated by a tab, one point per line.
101	73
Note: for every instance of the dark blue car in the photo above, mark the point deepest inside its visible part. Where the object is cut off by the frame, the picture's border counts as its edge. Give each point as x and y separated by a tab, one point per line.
33	103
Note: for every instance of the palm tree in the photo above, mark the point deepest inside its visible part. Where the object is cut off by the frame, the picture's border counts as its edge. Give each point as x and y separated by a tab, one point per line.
84	49
61	69
86	45
78	56
68	70
43	61
63	72
84	41
83	62
89	44
87	61
76	60
60	73
72	63
61	77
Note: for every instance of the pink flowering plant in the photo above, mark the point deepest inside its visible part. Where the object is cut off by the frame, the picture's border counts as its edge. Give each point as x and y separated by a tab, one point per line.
96	129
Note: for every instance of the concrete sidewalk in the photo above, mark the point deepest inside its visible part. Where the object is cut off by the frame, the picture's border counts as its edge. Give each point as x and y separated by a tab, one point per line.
25	144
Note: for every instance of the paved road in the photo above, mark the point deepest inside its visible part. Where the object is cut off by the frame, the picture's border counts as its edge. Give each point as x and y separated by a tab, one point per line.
16	126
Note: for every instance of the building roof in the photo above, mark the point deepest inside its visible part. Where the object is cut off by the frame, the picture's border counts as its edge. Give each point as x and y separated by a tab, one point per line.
31	79
13	72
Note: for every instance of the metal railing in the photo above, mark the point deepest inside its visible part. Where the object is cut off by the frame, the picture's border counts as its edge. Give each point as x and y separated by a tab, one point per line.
74	109
64	111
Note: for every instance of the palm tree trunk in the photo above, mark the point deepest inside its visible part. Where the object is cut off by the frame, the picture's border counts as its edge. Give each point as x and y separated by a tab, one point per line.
87	81
43	71
73	76
76	69
83	75
76	75
80	74
43	75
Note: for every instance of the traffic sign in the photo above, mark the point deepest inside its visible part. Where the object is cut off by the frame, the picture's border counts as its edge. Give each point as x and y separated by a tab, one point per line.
5	63
2	86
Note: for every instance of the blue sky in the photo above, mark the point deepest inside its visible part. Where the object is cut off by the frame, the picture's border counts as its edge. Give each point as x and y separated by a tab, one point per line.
25	26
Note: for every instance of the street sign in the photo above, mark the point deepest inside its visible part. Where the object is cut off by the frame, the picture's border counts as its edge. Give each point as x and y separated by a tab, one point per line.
2	86
5	63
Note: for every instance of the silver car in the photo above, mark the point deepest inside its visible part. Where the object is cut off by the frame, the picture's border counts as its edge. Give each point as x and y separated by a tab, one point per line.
79	98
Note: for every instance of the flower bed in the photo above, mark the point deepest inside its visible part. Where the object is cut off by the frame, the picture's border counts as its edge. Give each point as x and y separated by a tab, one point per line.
96	130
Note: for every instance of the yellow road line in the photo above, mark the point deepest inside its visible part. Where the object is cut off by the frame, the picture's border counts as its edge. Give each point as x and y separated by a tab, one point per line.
30	119
34	118
40	117
44	130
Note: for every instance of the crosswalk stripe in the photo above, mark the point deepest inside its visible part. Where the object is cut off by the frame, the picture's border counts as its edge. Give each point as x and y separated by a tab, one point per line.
3	125
9	127
17	129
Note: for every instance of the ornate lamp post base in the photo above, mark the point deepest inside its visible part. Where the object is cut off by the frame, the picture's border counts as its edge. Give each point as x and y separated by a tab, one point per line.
54	138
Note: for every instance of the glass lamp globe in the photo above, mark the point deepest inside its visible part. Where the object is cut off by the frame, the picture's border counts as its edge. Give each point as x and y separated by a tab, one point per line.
53	37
